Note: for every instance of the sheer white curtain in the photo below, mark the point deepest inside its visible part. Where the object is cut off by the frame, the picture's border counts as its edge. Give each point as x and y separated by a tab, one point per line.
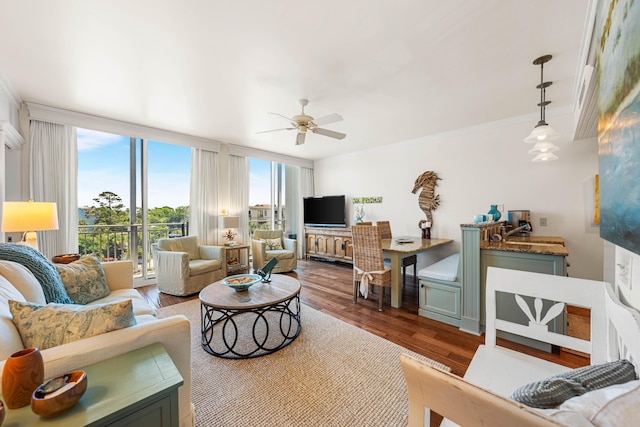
54	178
203	210
305	183
239	194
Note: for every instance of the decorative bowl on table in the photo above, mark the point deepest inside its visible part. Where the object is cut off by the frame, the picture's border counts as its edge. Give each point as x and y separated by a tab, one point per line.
241	282
59	394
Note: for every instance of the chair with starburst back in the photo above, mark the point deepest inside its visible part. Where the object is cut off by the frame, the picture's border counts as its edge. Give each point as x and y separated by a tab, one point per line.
368	263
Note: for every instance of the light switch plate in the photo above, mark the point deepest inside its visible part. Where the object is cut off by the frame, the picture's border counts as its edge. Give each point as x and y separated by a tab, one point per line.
623	269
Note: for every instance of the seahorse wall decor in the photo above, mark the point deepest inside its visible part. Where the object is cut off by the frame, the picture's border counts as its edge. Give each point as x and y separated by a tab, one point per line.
427	200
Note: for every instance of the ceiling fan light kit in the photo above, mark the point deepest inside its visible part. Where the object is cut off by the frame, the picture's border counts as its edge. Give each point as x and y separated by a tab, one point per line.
303	123
543	134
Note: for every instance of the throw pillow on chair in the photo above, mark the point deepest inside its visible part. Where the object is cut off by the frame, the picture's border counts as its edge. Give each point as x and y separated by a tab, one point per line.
273	244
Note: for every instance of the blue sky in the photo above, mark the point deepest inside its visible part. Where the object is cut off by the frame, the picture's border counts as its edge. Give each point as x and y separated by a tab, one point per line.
103	165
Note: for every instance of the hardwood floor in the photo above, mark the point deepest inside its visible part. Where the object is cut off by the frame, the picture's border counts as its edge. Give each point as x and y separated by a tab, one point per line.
327	287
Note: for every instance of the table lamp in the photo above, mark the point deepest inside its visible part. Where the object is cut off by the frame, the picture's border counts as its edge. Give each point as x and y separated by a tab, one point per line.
29	217
229	222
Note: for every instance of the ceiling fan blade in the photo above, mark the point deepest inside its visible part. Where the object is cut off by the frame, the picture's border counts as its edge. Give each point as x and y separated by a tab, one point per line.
325	120
300	138
274	130
329	133
293	122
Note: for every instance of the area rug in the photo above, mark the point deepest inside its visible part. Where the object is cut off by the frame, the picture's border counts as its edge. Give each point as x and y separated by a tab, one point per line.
333	374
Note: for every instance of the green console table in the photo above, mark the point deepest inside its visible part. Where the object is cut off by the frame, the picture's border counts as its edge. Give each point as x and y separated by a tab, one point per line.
139	389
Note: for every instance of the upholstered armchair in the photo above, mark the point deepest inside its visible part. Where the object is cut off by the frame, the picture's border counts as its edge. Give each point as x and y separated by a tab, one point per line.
267	244
184	267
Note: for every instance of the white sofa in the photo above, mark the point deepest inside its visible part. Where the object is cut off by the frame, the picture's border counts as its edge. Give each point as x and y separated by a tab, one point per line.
482	396
173	332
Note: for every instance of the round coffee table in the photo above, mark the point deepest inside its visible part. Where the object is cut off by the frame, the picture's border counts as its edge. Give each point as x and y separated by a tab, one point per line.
259	321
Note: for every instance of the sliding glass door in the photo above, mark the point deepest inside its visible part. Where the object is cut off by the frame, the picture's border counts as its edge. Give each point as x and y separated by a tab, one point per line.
131	192
267	191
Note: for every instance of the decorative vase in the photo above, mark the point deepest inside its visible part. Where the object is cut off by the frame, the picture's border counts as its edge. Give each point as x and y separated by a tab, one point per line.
23	373
495	212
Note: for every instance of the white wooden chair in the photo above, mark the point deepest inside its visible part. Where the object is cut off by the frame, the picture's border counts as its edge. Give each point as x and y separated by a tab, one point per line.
480	398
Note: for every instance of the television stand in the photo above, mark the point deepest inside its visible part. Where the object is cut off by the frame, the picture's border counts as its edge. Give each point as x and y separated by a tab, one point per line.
332	244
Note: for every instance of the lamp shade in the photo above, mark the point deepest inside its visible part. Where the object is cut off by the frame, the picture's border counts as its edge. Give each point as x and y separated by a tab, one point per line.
229	222
545	157
543	147
542	132
29	216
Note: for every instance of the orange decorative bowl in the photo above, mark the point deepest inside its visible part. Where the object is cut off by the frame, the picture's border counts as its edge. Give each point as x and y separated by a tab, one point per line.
59	394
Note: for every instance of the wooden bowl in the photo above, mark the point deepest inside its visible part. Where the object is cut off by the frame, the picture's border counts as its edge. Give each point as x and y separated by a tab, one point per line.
65	259
57	402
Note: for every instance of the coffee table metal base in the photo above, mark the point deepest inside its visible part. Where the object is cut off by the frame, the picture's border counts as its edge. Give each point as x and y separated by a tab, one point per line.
250	332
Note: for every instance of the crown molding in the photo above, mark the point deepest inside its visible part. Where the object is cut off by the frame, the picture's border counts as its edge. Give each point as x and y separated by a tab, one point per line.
11	137
67	117
7	87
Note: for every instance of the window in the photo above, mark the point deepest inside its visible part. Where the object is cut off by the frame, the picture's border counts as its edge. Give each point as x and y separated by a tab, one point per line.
117	172
266	195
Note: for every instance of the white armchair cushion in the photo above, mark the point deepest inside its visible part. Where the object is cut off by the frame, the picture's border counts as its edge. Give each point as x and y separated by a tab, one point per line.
201	266
183	244
279	254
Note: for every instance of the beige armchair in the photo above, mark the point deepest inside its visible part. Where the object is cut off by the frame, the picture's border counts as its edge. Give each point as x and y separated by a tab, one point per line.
263	250
184	267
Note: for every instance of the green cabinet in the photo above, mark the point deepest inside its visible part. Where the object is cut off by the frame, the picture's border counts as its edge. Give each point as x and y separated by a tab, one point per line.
139	388
440	300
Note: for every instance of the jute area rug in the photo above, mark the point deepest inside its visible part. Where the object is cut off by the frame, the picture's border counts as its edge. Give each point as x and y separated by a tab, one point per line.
333	374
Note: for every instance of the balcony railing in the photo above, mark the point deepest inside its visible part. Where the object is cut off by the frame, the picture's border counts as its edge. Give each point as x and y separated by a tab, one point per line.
119	241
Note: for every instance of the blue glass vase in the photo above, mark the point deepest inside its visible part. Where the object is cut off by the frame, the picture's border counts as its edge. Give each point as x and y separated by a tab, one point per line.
495	212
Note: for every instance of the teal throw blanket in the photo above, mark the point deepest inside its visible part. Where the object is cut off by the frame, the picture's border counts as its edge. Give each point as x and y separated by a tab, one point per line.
41	267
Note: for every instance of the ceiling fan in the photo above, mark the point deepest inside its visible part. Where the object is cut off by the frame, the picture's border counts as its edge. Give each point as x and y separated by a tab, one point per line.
303	123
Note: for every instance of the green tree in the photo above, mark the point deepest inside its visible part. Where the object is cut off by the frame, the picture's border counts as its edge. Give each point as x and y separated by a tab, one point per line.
110	209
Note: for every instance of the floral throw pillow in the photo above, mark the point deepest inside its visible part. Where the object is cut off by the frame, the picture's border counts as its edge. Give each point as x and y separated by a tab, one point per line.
84	279
55	324
273	244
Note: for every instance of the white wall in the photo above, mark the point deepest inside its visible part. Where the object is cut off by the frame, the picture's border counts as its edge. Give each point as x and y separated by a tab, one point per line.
479	167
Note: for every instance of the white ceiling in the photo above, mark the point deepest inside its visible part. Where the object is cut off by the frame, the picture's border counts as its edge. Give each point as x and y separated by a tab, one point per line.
395	70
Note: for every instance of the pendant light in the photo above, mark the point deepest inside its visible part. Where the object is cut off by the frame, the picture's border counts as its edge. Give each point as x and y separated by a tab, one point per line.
543	134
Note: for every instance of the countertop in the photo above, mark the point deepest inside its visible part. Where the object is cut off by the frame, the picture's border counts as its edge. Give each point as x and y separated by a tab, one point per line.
545	245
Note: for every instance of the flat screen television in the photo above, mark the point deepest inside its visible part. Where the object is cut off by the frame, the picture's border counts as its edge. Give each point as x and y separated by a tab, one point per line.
327	211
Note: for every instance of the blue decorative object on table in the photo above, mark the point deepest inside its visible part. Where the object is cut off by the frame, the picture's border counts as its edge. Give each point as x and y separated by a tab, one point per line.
242	282
42	269
495	212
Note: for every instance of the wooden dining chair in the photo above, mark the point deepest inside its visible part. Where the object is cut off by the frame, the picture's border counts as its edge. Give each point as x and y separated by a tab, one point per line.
385	229
385	233
368	262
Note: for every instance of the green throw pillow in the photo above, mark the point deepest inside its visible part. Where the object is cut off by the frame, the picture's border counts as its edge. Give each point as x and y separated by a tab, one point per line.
553	391
84	279
55	324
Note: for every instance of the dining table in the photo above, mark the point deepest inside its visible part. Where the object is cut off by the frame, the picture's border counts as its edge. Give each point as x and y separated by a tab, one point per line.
398	248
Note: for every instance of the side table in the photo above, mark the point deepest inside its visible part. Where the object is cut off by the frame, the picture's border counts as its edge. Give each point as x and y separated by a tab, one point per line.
138	388
237	259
